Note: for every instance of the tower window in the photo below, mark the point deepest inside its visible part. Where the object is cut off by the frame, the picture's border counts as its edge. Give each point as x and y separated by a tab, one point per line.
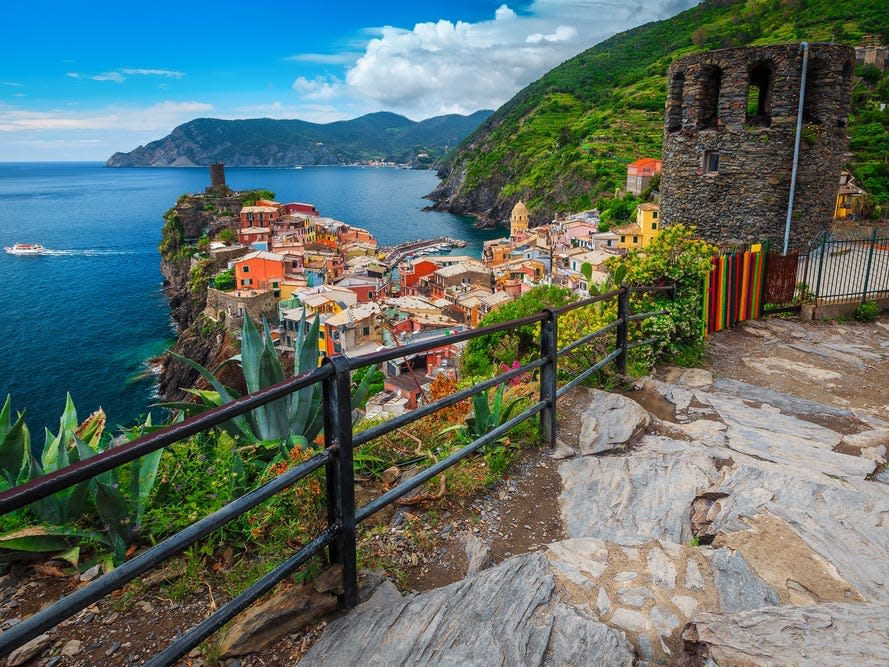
711	162
708	97
674	112
759	92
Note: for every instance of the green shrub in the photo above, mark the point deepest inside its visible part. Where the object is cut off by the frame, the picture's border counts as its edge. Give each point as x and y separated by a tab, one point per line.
868	311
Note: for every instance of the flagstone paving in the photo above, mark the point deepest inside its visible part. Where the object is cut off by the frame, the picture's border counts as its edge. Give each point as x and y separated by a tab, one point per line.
747	525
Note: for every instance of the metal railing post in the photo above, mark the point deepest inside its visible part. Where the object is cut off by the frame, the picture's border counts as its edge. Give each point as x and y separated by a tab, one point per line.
549	351
337	406
623	311
820	270
870	263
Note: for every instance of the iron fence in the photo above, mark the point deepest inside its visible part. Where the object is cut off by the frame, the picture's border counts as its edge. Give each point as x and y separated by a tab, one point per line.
836	271
336	457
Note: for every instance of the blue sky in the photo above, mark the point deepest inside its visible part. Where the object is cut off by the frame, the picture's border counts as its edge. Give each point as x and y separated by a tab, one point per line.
81	80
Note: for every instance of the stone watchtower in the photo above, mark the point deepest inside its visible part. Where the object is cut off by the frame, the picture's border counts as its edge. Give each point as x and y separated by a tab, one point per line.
217	175
729	141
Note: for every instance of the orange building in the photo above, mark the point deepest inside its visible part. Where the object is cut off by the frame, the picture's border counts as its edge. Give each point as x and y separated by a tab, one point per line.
640	172
259	270
259	216
410	274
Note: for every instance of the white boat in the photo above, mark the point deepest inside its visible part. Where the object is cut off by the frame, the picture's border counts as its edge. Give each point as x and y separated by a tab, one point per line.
25	249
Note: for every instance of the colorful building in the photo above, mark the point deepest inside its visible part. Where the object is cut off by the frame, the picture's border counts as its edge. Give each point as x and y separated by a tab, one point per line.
519	220
846	196
640	173
640	233
259	270
259	216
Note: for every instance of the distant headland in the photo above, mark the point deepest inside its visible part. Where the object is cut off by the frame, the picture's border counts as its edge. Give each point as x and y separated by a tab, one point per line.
265	142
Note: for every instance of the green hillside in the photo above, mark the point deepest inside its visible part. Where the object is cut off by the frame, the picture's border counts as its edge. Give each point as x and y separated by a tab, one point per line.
565	140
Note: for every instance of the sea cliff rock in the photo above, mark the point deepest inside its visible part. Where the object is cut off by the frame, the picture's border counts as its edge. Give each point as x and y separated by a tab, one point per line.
199	338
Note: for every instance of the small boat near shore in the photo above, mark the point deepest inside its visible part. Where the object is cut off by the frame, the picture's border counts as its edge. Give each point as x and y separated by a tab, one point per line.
25	249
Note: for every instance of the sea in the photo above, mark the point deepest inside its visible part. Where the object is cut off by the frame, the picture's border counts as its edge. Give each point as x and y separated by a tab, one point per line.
89	315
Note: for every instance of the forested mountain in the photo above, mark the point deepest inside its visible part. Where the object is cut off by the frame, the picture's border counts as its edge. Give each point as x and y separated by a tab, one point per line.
563	142
280	143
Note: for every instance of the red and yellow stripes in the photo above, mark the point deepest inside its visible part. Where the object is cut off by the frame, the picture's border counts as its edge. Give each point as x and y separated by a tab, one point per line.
733	290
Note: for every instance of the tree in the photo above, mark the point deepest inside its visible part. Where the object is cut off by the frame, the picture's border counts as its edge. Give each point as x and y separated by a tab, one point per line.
507	346
227	236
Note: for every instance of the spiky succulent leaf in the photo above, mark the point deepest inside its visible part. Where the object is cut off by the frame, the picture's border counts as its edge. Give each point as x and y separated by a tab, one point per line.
145	473
55	453
239	421
303	402
43	539
15	447
68	420
482	413
112	509
91	429
619	274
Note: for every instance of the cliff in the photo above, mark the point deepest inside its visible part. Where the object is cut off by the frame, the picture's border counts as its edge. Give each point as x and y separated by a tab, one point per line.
264	142
199	338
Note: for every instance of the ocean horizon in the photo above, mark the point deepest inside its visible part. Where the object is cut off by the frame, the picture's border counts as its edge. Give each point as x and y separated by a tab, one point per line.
87	317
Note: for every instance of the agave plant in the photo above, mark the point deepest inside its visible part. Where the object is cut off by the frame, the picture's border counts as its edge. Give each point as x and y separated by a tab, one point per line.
295	420
58	514
485	417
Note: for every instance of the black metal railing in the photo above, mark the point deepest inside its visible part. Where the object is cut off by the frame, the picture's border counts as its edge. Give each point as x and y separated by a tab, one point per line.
837	271
336	457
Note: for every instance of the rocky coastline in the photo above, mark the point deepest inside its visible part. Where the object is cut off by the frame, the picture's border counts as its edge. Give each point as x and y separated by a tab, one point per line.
198	337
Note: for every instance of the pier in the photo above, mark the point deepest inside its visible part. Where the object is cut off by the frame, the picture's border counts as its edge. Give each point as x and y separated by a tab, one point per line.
395	254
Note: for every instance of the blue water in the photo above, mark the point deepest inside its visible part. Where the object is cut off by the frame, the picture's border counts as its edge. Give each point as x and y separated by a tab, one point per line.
85	317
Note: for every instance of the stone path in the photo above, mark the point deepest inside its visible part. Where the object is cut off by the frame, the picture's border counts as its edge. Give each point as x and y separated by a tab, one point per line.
751	528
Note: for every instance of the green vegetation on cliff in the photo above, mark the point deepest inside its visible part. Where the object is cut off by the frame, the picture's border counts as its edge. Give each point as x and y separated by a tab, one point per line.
565	140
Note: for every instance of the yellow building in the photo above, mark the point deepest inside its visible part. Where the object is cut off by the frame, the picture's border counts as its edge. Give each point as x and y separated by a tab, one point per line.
518	221
846	196
640	233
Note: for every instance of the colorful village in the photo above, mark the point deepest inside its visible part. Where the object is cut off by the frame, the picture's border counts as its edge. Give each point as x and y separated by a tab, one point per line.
290	260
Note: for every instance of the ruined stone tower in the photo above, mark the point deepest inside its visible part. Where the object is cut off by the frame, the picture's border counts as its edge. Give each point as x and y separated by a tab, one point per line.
729	138
217	175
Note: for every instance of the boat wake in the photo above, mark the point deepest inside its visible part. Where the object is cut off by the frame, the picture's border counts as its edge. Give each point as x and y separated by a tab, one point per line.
87	252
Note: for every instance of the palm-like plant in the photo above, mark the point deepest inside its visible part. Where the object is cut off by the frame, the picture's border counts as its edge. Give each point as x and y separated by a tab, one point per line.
295	420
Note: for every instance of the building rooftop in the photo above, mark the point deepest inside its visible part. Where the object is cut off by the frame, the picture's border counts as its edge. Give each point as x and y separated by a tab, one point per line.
259	209
353	314
262	254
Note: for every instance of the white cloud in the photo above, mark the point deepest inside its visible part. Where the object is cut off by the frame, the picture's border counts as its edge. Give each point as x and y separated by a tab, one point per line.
172	74
318	89
344	58
157	118
461	67
14	84
119	76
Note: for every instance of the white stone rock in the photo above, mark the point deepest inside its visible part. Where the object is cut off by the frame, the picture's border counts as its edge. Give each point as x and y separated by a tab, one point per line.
663	620
603	603
843	521
633	499
686	604
610	421
633	597
72	648
661	569
624	577
828	634
693	579
631	620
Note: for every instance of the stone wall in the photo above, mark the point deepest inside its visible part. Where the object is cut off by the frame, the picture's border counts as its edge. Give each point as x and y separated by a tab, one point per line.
729	137
231	306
